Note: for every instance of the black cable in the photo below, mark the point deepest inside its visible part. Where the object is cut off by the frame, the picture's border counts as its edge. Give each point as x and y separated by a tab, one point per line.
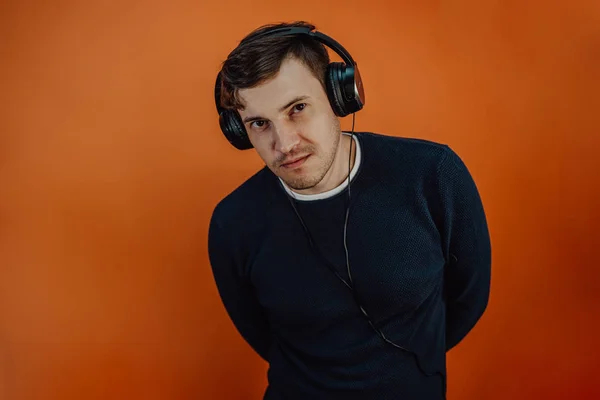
351	284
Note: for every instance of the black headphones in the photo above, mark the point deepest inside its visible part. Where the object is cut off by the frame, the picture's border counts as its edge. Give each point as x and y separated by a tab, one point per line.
343	82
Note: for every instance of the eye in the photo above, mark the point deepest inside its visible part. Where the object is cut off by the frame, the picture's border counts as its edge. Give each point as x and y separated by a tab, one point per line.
299	107
259	124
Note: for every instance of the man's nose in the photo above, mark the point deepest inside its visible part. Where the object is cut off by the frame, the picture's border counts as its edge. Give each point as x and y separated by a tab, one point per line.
286	137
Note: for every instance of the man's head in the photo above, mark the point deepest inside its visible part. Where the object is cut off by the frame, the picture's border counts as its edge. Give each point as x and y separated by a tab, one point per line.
277	85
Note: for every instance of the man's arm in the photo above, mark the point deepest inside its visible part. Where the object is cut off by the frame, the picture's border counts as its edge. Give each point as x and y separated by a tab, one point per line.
467	248
235	291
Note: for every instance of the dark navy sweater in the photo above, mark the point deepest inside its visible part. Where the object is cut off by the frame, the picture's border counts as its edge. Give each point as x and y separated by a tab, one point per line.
420	258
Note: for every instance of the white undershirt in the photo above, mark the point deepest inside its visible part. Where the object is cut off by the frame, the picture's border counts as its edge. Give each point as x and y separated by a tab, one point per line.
331	192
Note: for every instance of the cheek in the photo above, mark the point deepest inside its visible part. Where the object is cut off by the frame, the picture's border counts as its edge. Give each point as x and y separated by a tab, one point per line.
316	128
263	146
258	139
322	130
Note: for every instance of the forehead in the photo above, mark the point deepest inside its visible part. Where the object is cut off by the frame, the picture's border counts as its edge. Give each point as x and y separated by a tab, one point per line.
293	79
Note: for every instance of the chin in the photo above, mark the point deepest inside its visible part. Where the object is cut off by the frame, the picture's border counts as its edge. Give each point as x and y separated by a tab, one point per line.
299	186
302	182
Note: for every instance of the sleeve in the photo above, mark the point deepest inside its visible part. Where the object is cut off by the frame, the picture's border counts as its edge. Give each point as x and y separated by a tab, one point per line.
236	291
467	248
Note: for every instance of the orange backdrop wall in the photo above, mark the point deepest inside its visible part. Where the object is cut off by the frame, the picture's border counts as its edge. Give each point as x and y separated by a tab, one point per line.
111	161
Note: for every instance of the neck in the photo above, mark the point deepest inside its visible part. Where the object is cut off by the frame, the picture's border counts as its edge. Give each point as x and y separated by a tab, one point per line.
343	163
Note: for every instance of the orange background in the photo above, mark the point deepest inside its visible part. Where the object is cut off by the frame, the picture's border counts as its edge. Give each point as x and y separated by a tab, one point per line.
111	162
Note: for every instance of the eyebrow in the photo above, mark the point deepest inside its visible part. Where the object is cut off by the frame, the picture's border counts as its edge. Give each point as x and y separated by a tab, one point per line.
282	108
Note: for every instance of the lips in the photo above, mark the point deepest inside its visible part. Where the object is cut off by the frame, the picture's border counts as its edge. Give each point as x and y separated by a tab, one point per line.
295	163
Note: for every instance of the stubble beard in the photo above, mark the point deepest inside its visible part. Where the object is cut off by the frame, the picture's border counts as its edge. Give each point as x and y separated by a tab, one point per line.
312	179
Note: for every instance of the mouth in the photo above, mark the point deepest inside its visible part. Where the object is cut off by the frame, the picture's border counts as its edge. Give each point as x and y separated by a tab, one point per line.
295	163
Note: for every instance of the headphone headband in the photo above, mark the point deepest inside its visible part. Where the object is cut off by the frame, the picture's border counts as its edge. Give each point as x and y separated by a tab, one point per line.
321	37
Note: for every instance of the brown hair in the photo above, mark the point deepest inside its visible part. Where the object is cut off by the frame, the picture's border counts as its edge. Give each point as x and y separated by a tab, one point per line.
257	59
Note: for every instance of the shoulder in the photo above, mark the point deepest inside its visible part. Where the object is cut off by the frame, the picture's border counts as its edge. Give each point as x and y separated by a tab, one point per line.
400	145
406	154
246	204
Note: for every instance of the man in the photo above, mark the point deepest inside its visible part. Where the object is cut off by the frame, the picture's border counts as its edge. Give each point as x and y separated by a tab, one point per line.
352	262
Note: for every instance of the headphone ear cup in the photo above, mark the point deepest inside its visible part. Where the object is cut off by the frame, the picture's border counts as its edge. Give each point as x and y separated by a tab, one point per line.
233	129
345	89
334	88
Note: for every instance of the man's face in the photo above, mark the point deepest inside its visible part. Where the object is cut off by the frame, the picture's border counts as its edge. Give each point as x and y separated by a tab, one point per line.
291	125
